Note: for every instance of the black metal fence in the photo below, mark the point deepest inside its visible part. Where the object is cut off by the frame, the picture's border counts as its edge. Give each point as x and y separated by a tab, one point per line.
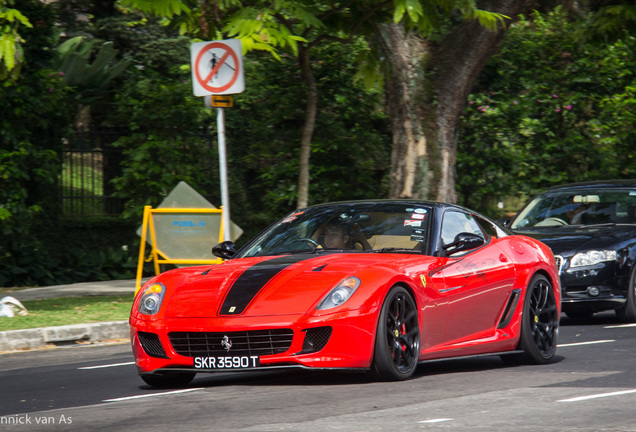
90	162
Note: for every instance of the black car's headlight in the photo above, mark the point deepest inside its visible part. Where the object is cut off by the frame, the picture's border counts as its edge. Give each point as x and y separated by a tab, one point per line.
340	294
592	257
151	298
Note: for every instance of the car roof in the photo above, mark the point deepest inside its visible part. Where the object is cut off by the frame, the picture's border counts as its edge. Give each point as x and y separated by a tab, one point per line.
597	184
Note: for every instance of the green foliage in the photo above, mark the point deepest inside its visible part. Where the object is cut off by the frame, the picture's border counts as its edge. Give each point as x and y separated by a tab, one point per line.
546	111
34	121
162	8
88	68
351	145
149	45
427	16
72	250
610	23
163	147
11	52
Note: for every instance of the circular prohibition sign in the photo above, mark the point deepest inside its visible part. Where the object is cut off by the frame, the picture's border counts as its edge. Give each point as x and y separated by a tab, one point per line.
204	80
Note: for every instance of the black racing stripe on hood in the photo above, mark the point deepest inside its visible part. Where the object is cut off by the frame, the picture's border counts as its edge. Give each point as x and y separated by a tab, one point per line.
252	280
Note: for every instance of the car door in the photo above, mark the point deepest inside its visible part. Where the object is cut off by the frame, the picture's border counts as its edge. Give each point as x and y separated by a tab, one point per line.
476	283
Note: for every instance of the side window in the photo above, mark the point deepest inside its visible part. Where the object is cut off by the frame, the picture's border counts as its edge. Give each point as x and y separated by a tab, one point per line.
489	228
455	222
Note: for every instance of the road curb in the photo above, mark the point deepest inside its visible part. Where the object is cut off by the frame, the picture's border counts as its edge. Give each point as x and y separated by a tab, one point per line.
11	340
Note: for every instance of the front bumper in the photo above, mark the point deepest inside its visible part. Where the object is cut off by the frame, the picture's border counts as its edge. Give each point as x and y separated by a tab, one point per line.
593	288
349	345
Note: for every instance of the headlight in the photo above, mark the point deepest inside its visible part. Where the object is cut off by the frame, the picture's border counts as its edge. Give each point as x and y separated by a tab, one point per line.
151	299
592	257
340	294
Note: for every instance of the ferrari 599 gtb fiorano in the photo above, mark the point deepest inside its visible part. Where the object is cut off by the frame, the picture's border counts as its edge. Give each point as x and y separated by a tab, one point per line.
377	286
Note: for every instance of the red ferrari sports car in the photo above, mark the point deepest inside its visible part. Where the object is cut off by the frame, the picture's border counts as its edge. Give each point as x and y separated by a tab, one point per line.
376	286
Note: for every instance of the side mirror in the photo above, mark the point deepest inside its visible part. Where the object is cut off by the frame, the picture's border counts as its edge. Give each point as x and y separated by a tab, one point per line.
225	250
463	242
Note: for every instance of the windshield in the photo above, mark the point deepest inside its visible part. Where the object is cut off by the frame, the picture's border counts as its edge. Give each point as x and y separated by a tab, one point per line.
580	207
352	227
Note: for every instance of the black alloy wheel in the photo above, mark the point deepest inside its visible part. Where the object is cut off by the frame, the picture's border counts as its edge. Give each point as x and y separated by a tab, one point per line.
397	344
540	323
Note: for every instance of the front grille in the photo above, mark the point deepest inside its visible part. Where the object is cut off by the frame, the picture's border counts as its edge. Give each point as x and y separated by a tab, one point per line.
316	339
151	344
252	342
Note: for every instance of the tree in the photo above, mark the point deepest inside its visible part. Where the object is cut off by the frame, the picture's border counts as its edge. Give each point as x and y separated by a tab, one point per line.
301	27
429	77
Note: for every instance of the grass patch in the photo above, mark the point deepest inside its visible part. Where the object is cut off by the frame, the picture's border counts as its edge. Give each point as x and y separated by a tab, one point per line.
70	310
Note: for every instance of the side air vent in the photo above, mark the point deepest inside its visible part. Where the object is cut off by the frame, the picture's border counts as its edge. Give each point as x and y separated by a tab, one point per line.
510	308
315	339
151	344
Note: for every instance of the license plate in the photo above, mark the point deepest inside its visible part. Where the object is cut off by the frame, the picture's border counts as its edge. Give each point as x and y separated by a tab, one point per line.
227	362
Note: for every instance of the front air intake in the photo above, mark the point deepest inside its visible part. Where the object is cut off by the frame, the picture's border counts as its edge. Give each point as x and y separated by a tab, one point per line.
151	344
315	339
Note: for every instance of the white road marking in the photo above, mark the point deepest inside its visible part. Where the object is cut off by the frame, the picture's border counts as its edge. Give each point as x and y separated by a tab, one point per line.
151	395
586	343
439	420
596	396
620	326
107	365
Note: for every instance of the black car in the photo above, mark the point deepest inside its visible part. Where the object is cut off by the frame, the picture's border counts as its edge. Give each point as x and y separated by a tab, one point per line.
591	229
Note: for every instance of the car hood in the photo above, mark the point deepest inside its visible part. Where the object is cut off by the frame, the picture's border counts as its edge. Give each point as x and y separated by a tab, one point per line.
289	284
569	240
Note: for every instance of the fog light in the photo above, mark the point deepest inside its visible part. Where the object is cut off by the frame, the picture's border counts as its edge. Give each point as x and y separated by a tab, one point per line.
593	291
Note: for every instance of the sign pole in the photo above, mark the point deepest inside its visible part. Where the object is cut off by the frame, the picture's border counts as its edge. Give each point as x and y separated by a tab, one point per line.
217	71
225	196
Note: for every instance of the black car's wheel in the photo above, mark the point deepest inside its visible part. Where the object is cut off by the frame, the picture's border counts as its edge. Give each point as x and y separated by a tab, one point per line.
397	343
168	381
539	325
628	312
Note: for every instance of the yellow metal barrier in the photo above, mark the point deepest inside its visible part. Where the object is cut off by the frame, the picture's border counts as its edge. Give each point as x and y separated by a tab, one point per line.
157	256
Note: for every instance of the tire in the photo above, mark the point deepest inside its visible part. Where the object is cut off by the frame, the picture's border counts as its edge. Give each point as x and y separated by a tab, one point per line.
628	312
539	324
168	381
397	343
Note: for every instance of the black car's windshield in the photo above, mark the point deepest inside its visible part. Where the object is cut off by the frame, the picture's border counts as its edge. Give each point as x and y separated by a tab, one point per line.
351	227
578	207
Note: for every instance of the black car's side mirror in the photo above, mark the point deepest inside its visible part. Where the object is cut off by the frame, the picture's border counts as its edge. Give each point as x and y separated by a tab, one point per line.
225	250
463	242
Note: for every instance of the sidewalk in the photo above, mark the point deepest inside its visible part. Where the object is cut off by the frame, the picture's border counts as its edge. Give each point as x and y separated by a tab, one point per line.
69	334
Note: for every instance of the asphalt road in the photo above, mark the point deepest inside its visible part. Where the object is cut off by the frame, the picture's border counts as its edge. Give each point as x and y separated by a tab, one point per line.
591	387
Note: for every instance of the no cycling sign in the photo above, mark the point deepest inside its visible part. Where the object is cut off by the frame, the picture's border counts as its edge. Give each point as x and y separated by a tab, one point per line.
217	67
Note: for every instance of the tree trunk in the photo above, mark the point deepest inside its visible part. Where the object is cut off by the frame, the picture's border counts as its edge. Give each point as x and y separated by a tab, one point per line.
308	127
405	54
446	80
